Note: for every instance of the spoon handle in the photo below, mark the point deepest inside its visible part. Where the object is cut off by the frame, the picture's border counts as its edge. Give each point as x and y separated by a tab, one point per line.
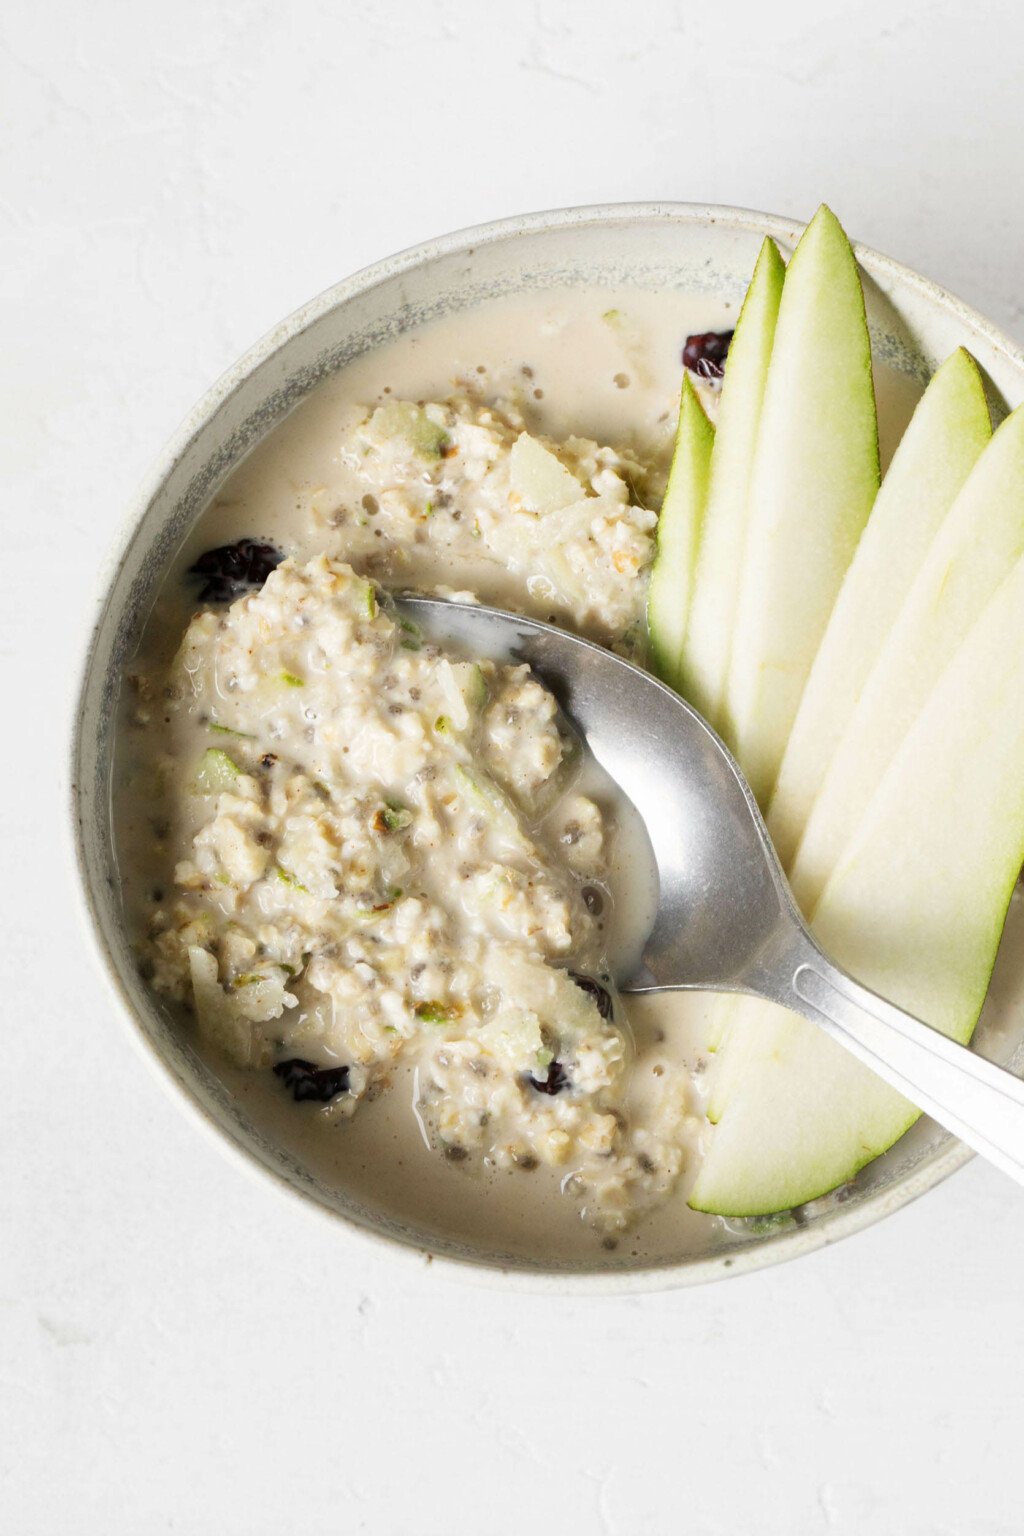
979	1102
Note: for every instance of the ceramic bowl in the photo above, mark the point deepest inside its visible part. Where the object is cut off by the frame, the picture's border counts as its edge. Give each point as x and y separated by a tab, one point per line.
914	325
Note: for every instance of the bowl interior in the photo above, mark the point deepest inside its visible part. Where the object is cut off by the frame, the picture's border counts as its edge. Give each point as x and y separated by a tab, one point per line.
913	324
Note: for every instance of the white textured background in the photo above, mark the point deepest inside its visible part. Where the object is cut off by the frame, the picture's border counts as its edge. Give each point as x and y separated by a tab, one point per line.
180	1349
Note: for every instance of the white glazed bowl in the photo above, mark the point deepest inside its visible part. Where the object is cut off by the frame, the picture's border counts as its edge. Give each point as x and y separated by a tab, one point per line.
914	326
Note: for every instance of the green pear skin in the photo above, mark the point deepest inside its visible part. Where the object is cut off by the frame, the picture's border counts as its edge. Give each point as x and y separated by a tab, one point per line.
709	632
679	525
978	542
814	479
944	440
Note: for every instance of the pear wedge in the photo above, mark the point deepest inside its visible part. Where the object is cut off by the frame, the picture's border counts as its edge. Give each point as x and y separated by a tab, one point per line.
814	479
944	440
708	644
679	525
915	911
976	546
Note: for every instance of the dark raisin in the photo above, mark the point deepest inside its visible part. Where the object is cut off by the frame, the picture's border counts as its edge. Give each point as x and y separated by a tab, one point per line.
557	1079
232	569
306	1081
705	353
600	994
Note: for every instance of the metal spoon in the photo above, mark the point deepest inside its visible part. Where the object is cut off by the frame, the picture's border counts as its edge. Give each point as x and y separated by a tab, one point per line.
726	920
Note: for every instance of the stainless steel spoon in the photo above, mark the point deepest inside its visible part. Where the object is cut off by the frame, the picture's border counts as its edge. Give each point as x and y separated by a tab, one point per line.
726	920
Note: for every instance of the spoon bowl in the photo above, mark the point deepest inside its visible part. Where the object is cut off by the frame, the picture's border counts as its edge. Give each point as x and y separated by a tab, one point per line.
722	893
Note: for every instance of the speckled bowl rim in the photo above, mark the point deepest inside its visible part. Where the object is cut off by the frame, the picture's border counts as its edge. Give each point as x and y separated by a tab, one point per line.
756	1254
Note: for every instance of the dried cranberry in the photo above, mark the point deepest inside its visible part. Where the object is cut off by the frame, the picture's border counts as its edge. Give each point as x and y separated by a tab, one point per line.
307	1081
557	1079
233	569
705	354
601	996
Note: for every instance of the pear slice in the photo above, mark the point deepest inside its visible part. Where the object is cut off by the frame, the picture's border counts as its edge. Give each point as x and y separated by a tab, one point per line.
814	479
539	479
679	524
723	535
708	641
979	541
946	435
915	911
